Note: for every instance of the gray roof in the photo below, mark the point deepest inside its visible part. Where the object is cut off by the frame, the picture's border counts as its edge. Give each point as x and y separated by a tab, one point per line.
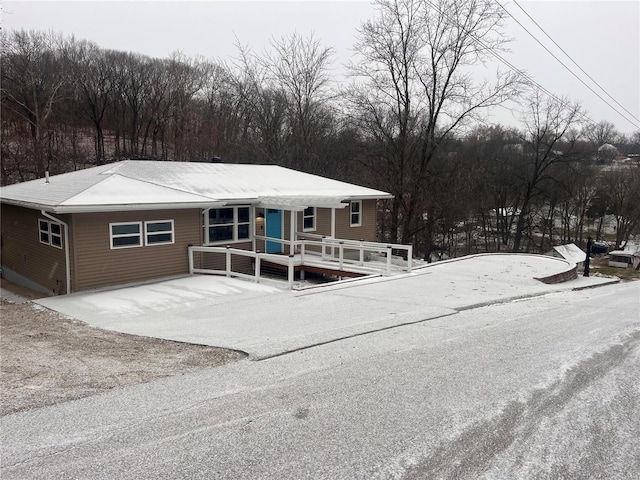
133	184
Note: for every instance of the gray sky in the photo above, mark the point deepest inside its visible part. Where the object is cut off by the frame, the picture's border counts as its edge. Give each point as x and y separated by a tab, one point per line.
603	37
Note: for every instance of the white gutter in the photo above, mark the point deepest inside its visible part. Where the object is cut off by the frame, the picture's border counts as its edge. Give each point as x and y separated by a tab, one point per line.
66	247
61	209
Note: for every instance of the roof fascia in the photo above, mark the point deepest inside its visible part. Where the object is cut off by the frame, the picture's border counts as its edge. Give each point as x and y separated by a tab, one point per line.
61	209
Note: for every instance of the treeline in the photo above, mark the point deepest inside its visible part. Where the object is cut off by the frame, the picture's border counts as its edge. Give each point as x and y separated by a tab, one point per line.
407	121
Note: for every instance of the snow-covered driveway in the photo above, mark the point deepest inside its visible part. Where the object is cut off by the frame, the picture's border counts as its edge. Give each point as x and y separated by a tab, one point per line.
265	321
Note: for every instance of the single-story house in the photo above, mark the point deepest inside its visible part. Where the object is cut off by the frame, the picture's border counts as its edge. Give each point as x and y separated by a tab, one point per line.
570	252
134	220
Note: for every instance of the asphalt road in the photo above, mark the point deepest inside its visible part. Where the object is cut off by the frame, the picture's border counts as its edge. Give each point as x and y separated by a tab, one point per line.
540	388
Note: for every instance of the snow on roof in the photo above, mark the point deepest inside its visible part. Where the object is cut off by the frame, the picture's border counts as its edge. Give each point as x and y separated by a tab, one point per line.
149	184
571	252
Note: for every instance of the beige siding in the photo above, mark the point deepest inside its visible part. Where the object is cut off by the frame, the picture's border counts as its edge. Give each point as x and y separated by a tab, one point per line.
218	261
367	231
23	253
98	265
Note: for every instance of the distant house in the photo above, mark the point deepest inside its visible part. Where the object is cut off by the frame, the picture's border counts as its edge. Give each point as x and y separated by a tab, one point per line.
627	258
607	152
569	252
135	220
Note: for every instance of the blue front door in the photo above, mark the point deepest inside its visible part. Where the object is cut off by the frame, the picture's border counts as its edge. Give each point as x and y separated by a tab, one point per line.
273	221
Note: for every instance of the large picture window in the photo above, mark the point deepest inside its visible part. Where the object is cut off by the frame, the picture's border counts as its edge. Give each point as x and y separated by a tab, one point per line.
126	235
229	224
309	219
158	232
50	233
356	213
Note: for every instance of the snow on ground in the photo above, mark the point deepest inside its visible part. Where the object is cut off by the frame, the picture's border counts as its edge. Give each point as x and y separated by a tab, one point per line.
264	320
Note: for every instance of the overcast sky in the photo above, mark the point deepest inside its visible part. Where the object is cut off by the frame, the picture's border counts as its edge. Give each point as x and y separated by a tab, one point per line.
603	37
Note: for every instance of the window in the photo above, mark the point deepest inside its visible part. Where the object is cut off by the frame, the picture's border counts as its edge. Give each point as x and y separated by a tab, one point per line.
50	233
126	235
356	213
309	219
158	232
230	224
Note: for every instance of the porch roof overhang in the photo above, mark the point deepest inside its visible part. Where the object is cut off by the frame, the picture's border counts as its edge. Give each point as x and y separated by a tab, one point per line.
300	202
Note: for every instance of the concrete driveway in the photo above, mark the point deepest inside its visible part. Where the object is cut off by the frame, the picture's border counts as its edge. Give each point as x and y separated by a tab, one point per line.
266	321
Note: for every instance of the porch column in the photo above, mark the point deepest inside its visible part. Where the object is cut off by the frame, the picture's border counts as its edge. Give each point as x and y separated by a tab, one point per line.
292	233
253	227
333	230
333	222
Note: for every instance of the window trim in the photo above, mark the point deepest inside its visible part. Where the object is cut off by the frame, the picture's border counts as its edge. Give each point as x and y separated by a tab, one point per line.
164	232
313	217
112	236
235	225
49	233
352	213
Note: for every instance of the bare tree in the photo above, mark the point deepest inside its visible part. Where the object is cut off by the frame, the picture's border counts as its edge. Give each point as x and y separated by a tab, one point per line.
620	190
412	89
548	139
600	133
298	68
92	69
32	85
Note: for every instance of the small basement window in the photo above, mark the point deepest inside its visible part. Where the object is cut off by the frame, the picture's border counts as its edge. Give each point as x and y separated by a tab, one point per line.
50	233
125	235
158	232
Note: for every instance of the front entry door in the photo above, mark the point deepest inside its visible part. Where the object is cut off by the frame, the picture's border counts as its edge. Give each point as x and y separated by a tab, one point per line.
273	221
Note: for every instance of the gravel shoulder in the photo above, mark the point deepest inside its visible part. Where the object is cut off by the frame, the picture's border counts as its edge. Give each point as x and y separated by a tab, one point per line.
46	358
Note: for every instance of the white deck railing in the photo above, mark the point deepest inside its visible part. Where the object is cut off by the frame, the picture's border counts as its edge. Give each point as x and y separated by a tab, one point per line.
354	256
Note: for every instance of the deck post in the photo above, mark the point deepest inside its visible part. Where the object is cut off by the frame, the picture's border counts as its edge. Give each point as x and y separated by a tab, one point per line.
323	247
302	245
228	256
389	250
361	252
258	266
341	254
190	254
409	258
290	272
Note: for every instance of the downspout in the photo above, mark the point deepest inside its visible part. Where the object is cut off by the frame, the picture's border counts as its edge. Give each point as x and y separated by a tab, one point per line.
66	246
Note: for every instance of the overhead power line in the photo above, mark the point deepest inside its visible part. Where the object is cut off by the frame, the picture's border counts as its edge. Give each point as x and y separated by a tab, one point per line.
575	63
515	69
637	121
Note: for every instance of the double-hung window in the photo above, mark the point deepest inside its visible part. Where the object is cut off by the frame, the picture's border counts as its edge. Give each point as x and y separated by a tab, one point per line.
356	213
229	224
132	234
125	235
158	232
309	219
50	233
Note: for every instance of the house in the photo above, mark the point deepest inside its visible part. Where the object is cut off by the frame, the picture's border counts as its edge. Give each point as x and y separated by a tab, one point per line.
134	221
569	252
627	258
